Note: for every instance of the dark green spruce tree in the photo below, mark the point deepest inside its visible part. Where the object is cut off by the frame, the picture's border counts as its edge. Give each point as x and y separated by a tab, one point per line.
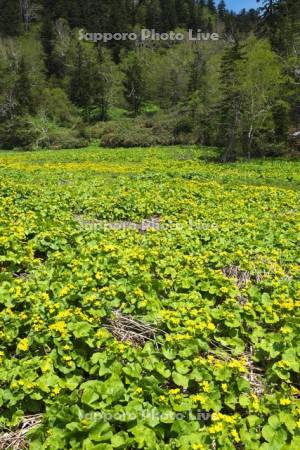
280	23
10	18
134	86
169	16
211	6
153	15
81	82
230	108
222	9
23	91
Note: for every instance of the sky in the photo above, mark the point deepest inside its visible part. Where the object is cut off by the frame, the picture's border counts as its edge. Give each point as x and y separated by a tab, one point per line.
237	5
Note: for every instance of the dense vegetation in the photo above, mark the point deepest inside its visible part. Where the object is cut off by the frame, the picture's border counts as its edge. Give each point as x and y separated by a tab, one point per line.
181	333
240	93
149	298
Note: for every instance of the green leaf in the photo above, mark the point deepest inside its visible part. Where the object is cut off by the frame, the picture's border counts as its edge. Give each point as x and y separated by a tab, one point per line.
288	420
144	437
80	329
182	367
89	396
268	433
180	380
101	432
119	440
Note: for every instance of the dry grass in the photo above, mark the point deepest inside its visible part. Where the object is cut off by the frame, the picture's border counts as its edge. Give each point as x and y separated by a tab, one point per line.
126	328
16	440
254	373
242	278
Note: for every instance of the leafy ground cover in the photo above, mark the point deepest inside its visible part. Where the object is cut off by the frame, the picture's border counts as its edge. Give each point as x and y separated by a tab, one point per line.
179	334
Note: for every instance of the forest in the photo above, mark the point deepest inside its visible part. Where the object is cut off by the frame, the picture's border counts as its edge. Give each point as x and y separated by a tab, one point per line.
239	93
149	225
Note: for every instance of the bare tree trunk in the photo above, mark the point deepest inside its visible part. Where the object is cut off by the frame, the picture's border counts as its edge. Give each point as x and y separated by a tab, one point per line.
29	12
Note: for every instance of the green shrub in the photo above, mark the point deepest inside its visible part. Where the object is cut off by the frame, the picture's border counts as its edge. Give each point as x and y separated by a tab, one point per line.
117	113
57	107
38	132
136	133
143	131
150	109
66	138
18	133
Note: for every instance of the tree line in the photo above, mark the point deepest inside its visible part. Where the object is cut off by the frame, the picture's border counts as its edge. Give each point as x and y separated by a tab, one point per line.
240	93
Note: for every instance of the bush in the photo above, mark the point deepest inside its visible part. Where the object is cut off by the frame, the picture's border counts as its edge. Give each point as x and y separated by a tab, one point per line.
38	132
57	107
134	133
150	109
64	138
18	133
144	131
117	113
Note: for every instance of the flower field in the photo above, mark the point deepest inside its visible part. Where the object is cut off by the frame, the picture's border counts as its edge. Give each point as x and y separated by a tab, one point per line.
149	299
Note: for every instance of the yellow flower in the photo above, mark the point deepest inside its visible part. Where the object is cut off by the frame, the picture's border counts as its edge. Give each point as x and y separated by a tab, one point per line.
56	390
216	428
285	401
174	391
122	347
65	290
18	292
283	363
294	390
235	435
175	320
59	326
14	385
224	290
102	334
143	303
64	314
23	345
198	398
224	387
23	315
46	366
286	330
139	390
198	447
205	386
139	292
237	365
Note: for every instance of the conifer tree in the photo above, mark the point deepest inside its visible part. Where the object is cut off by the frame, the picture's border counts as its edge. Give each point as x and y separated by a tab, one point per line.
134	89
221	9
10	18
280	21
153	15
197	72
231	105
169	16
23	90
80	84
211	6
